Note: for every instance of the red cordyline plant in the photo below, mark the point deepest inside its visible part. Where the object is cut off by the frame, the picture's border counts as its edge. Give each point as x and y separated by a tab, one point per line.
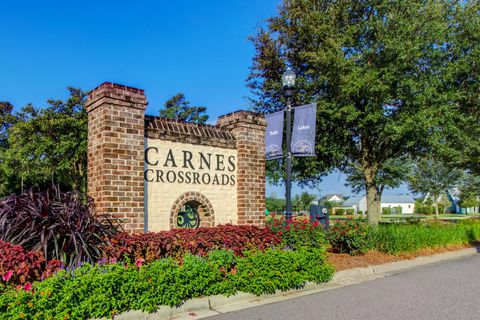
62	226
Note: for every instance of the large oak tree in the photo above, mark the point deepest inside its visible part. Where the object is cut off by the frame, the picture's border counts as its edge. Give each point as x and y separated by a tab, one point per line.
384	73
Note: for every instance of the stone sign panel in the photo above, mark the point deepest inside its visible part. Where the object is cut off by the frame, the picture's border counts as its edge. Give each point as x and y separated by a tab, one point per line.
156	174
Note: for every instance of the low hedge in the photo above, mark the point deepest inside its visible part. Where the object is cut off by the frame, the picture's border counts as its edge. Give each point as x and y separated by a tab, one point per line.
177	242
107	290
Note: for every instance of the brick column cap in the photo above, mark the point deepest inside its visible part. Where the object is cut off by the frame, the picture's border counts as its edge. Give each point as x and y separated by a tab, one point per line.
242	117
116	94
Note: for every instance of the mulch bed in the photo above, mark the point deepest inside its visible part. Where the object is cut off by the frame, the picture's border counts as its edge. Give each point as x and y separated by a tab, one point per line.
343	261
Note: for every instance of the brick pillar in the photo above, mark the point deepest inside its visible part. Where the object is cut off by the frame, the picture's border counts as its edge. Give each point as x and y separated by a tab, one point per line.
249	131
116	152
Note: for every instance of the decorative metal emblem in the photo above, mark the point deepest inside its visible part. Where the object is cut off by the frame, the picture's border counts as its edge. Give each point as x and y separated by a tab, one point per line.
188	218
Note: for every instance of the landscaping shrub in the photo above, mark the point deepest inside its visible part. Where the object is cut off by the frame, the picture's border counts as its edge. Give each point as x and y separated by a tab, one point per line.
340	212
386	210
349	211
106	290
300	233
58	224
406	238
349	236
18	266
175	243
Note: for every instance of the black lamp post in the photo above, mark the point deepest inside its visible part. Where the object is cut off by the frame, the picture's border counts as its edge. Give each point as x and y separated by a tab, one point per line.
288	81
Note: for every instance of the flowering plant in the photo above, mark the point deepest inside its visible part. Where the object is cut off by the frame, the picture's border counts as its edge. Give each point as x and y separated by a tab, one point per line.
349	236
299	233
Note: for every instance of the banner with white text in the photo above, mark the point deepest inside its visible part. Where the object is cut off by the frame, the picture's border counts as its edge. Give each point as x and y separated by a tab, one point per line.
303	134
274	135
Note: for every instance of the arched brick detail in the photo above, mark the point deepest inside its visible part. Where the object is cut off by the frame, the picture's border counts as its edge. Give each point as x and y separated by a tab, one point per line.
205	209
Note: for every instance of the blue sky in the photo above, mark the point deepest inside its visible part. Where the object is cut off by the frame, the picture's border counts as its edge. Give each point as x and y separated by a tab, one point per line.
164	47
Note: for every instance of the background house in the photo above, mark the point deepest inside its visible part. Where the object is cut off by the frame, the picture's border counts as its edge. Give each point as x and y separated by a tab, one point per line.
359	204
333	197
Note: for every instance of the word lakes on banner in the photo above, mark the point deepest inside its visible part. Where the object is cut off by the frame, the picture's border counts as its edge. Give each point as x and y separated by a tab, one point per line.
303	133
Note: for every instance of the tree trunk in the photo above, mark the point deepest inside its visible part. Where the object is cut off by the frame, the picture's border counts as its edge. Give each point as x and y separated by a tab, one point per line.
373	197
436	208
373	205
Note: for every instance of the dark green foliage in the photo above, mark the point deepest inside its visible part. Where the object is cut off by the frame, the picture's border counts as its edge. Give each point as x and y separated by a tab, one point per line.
7	119
470	191
306	200
406	238
45	146
392	80
386	210
340	211
349	211
178	108
349	236
273	204
60	225
103	291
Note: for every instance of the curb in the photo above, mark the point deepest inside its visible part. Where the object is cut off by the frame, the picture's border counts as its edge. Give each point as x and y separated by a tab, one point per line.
199	308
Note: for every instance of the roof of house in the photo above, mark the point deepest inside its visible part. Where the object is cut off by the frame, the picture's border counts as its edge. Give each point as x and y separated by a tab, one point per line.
352	201
387	198
331	195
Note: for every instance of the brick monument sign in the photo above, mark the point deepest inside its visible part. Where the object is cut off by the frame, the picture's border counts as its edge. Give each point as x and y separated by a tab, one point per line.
156	174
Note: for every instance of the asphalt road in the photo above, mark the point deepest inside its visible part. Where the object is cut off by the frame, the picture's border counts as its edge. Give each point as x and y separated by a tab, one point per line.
448	290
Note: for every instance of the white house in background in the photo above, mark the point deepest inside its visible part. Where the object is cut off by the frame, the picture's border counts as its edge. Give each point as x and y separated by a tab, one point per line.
388	201
333	197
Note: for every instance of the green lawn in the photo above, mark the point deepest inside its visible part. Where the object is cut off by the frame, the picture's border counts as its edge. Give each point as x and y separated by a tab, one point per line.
391	217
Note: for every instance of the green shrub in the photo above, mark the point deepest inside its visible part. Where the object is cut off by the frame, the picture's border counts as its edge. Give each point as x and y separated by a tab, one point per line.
349	236
421	208
386	210
340	211
107	290
349	211
406	238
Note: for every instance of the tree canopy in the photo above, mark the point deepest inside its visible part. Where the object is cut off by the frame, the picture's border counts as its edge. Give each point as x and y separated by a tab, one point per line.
430	177
390	79
45	146
178	108
470	191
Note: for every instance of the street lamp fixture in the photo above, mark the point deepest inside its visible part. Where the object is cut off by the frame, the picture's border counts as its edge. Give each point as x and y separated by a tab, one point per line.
288	81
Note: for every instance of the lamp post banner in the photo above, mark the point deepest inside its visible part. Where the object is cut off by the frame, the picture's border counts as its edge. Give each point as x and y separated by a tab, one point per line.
274	135
303	135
